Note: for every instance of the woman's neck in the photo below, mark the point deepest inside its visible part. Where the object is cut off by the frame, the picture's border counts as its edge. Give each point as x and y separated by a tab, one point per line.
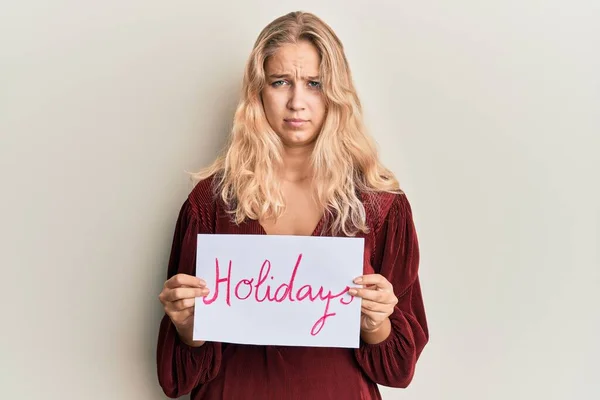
296	163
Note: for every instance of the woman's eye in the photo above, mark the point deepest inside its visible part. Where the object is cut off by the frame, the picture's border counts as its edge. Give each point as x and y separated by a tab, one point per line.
311	84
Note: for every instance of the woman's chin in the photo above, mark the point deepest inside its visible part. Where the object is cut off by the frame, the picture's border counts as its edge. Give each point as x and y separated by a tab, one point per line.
297	138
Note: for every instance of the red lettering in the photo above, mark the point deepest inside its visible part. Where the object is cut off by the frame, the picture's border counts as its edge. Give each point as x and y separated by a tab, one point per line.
308	293
237	288
218	281
342	298
262	277
288	286
316	328
284	292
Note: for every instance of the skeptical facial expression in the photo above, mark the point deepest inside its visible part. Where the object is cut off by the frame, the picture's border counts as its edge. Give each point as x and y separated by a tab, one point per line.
292	98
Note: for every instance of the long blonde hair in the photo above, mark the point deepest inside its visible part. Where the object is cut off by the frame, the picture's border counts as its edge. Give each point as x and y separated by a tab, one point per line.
344	161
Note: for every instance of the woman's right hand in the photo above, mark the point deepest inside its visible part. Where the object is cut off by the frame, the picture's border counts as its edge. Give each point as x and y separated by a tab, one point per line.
178	298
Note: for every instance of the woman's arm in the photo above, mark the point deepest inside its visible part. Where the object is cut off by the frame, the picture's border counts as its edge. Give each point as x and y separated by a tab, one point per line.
183	364
389	354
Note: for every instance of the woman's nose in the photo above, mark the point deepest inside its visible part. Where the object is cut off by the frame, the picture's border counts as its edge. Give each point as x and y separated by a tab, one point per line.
296	100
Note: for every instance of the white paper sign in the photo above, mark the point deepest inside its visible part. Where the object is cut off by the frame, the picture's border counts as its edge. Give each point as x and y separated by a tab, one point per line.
279	290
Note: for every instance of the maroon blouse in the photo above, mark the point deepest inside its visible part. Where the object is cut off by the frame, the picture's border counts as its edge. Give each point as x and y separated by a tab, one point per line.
223	371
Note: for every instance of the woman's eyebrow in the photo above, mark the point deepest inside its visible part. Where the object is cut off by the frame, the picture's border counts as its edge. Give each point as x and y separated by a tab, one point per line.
288	76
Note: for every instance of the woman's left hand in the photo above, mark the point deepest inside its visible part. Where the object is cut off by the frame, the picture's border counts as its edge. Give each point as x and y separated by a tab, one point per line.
377	301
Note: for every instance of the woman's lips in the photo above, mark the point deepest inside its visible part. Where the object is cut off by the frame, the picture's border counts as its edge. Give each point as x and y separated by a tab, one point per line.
295	122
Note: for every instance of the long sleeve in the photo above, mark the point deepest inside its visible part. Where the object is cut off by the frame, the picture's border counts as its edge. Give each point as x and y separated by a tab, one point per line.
181	368
393	361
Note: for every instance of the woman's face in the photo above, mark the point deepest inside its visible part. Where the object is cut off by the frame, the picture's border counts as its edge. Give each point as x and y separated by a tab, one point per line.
292	98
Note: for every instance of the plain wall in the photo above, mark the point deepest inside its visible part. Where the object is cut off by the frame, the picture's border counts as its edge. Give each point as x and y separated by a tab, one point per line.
487	111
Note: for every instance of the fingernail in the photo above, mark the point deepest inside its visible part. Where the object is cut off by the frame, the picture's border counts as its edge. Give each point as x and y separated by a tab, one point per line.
358	280
352	291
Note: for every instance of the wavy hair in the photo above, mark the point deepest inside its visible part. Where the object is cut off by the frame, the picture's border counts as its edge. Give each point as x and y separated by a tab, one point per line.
344	161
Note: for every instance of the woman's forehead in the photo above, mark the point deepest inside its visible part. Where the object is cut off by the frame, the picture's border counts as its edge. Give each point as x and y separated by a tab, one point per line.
296	60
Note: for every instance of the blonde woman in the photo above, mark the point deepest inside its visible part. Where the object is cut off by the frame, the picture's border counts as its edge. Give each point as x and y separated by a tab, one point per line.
299	162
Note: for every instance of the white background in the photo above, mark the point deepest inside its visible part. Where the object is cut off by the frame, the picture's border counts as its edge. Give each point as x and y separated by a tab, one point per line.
488	111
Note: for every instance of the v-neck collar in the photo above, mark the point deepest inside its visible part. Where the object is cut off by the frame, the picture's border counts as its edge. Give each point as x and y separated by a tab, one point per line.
317	231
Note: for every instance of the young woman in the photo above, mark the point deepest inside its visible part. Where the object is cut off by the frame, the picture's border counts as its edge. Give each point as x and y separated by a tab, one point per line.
299	162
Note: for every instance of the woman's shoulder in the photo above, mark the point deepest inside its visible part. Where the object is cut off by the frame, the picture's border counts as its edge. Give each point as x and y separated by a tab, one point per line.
382	205
203	197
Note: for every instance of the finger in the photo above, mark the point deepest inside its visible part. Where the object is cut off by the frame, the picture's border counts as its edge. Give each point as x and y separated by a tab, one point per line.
183	279
184	293
378	296
181	305
376	280
375	307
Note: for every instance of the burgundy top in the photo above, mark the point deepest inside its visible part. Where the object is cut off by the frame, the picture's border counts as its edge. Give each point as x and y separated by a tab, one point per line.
223	371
